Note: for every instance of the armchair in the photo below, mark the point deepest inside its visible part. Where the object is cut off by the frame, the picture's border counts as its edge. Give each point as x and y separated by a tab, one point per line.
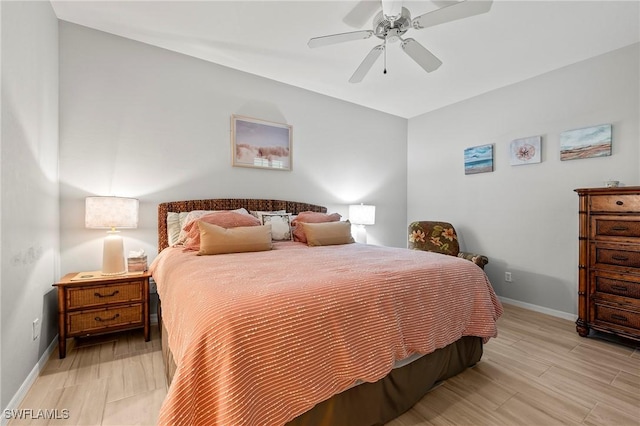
440	237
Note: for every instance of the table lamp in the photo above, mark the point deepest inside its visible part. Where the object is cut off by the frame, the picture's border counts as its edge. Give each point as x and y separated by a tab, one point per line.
111	213
361	215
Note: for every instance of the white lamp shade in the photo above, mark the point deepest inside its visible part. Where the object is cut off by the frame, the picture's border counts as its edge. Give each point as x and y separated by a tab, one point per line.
362	214
111	212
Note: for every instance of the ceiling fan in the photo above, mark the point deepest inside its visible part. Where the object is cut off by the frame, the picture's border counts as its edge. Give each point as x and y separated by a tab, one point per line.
392	22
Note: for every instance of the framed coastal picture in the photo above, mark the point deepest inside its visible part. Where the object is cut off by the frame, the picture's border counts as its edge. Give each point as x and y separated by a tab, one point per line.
478	159
586	143
259	143
525	151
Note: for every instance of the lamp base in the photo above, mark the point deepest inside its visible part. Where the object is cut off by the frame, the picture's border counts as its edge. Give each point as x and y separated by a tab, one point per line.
360	234
113	255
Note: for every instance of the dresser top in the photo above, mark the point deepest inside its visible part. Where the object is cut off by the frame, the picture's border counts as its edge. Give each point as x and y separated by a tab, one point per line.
615	190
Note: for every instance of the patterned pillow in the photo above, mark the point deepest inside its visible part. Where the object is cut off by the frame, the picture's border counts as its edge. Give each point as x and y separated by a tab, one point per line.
257	213
280	225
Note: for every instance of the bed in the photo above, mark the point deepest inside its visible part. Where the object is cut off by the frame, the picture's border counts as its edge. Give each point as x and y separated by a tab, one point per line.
346	334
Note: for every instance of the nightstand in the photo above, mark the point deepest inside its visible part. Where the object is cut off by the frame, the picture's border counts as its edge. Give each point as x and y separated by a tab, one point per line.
90	303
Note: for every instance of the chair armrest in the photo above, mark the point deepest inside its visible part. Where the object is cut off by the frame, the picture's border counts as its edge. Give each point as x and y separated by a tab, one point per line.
478	259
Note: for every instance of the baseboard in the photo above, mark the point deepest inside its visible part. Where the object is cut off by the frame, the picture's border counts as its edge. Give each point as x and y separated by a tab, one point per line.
35	372
31	378
537	308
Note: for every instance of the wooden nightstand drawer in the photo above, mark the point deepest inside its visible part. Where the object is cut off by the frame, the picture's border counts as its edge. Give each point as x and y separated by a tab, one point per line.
620	203
86	322
101	295
90	303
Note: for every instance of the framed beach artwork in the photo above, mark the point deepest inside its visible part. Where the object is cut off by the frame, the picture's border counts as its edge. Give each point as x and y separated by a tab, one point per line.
259	143
478	159
586	143
525	151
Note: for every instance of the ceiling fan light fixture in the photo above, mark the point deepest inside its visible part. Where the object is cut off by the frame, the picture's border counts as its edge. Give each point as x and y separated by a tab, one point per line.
392	22
392	9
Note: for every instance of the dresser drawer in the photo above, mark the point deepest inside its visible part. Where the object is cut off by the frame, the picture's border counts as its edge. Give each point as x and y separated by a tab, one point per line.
613	315
621	203
85	322
618	257
623	286
615	227
103	295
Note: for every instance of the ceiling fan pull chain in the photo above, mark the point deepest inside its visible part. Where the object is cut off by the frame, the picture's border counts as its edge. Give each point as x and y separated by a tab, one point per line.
385	57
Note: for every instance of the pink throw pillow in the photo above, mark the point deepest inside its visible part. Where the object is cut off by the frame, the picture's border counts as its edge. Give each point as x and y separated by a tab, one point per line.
227	220
311	217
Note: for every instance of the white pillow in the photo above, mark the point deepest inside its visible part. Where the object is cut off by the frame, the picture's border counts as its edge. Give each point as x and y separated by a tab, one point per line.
174	226
280	225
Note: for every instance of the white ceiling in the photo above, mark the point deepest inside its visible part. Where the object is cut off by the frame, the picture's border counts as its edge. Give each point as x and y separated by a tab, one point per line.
514	41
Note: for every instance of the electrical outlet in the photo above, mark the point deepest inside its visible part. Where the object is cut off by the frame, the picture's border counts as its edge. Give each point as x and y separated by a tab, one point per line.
36	329
507	277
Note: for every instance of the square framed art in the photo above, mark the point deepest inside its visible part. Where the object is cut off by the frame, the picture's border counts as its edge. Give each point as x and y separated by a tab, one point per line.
260	143
525	151
478	159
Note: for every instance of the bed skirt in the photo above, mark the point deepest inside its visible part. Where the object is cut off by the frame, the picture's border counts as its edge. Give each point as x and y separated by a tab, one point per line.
380	402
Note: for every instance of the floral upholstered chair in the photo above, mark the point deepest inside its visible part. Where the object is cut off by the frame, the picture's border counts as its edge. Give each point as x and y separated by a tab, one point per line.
440	237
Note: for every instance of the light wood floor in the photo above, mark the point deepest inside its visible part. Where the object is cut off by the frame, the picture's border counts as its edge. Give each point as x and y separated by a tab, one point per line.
537	372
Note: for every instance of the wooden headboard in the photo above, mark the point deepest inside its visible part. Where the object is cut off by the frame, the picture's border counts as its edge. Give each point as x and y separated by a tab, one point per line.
226	204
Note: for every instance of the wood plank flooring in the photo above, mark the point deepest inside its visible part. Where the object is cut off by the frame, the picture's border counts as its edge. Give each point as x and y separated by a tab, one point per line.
537	372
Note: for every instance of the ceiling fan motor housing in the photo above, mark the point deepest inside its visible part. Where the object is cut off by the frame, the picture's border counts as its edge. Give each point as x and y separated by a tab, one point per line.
389	30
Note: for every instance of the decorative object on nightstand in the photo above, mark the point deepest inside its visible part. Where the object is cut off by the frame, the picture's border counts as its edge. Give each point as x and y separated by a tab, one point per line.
440	237
137	261
111	213
609	261
361	215
90	303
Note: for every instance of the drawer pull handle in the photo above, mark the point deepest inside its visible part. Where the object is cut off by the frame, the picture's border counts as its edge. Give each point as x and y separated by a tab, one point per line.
107	319
619	317
619	203
621	258
619	288
106	295
620	228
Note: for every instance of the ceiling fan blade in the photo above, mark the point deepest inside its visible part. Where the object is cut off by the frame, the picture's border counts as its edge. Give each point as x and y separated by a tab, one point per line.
456	11
427	60
361	13
366	64
392	9
339	38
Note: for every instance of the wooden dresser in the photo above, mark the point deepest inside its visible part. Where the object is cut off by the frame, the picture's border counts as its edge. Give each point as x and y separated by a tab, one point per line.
91	304
609	261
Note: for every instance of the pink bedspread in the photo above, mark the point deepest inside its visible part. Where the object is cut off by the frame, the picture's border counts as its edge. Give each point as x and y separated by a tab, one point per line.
260	338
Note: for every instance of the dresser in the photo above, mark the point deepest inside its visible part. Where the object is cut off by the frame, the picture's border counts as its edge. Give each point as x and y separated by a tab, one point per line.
89	303
609	261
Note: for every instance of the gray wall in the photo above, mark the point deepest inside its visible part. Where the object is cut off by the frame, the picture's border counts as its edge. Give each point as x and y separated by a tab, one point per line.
524	218
28	187
141	121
